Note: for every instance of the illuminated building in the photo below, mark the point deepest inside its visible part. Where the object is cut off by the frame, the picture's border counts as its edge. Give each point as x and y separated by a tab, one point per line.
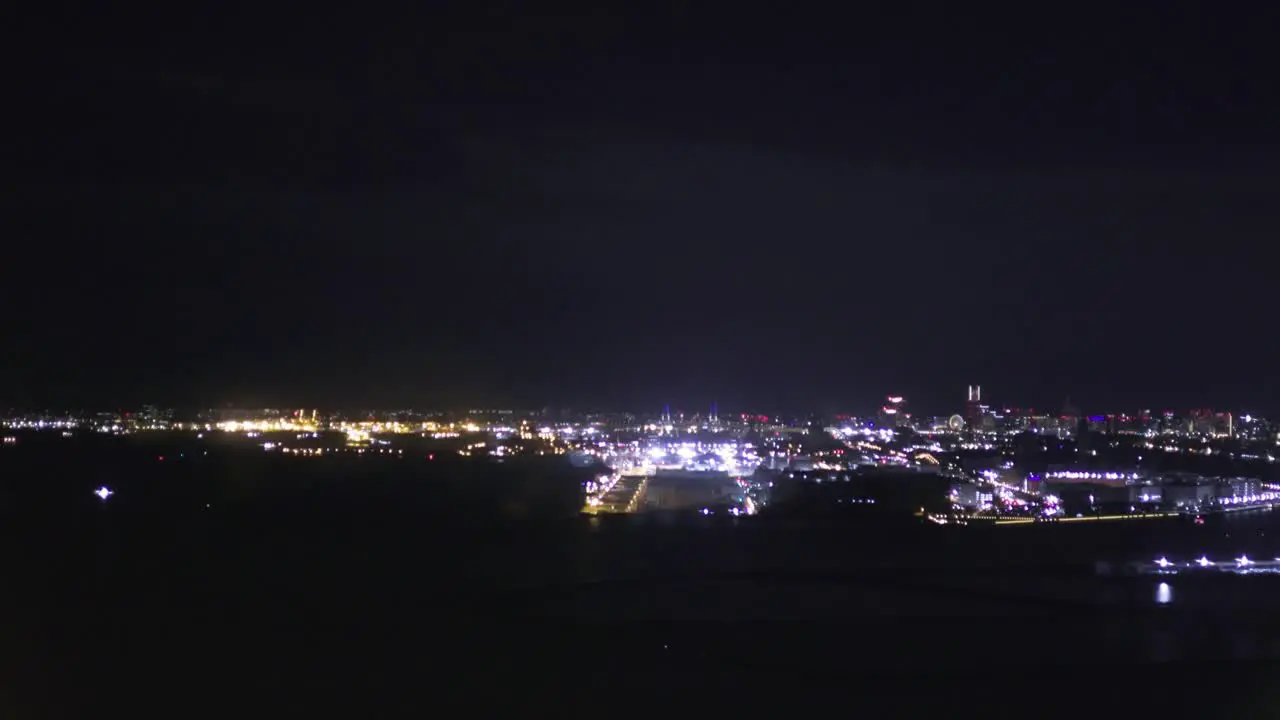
973	409
893	413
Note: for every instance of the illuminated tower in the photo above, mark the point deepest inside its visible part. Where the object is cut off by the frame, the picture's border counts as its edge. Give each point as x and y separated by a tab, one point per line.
893	413
973	406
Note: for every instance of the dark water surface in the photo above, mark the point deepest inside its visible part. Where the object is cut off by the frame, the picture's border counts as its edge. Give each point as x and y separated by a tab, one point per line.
153	602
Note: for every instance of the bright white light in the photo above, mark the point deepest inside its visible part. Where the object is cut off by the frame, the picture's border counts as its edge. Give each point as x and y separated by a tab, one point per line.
1204	561
686	452
1243	560
104	492
1163	562
1164	594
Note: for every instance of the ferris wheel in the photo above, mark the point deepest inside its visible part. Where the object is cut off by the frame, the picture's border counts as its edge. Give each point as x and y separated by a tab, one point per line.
955	422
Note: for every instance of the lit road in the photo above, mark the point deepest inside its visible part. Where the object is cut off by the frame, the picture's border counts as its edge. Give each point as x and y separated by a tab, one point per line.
623	494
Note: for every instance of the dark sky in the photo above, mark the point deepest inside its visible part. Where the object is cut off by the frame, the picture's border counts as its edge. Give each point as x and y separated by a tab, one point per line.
481	205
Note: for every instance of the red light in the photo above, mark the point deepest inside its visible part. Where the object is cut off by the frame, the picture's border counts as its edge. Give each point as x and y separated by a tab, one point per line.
161	458
432	456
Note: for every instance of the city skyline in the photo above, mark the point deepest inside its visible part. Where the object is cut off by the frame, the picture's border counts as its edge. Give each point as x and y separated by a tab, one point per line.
895	411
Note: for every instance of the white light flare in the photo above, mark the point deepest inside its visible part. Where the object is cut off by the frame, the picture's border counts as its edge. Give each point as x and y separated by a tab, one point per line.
104	492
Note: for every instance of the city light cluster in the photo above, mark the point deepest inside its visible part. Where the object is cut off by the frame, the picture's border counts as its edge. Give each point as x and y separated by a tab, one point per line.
1087	475
261	426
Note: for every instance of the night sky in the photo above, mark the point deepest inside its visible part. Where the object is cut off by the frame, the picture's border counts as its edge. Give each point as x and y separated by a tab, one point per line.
492	207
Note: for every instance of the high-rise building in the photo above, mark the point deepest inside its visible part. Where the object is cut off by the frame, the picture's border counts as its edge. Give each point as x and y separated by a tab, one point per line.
893	413
1084	435
973	409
